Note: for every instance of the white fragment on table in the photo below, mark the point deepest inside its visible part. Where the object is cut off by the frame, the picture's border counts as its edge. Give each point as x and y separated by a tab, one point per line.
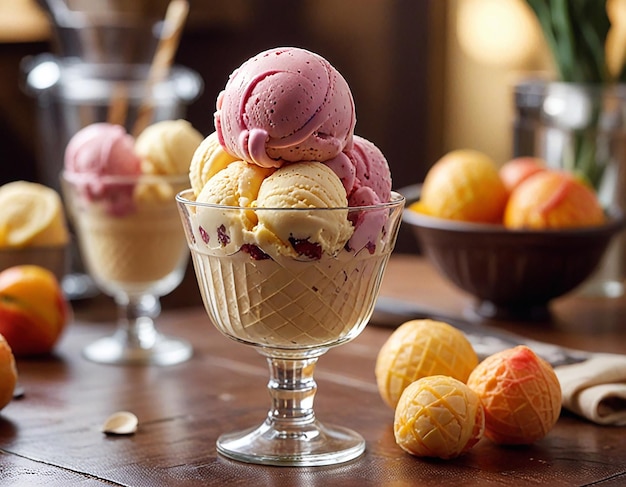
120	423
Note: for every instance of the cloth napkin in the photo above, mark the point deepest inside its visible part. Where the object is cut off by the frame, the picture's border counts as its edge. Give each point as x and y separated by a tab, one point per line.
596	388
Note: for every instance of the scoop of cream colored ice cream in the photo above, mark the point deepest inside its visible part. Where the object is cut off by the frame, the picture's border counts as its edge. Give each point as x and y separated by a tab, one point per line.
96	152
167	147
32	215
285	105
235	185
300	234
303	233
209	158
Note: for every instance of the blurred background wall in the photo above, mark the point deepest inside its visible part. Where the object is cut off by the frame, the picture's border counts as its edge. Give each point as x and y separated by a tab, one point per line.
428	76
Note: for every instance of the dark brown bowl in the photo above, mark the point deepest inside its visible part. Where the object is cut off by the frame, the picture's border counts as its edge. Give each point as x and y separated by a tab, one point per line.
513	274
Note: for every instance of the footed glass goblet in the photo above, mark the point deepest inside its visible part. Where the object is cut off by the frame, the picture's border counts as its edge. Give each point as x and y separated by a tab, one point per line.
292	300
133	245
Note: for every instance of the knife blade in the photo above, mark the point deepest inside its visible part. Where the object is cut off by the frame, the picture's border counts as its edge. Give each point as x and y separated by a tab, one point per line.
486	340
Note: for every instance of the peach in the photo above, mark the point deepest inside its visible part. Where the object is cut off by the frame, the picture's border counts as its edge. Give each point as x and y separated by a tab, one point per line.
553	200
520	393
438	416
464	185
420	348
33	309
8	373
517	170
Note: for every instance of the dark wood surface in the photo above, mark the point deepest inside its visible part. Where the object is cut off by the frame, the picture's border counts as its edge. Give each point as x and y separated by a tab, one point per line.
51	436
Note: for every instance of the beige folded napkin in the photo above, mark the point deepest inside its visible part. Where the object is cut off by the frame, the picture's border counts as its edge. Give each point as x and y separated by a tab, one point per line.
596	388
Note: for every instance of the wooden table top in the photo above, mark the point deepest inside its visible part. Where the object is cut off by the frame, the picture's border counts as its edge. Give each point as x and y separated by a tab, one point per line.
51	436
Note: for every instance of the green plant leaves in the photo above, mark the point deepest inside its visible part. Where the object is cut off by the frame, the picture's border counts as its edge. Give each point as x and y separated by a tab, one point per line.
576	32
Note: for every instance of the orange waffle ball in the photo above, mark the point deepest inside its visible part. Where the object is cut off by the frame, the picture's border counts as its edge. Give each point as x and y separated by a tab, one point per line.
464	185
520	393
420	348
438	416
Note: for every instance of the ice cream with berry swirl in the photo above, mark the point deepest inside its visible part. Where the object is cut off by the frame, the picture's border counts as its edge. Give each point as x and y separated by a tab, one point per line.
290	218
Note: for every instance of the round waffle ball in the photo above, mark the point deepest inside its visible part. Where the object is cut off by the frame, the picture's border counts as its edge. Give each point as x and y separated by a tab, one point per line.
420	348
521	395
438	416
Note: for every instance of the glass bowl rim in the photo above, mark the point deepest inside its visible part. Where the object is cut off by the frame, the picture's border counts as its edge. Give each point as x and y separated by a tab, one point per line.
397	200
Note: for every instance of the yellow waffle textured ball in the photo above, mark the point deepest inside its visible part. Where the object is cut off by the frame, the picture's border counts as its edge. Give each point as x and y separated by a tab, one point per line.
438	416
521	395
420	348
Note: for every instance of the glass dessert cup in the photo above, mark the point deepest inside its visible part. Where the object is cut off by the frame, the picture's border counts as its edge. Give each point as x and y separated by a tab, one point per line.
291	310
130	237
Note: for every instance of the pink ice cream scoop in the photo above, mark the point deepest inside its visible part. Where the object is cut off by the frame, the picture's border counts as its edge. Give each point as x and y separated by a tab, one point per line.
285	105
365	175
94	155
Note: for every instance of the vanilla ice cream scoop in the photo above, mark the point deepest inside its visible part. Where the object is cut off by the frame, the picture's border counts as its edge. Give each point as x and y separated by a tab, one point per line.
285	105
300	234
209	158
304	234
32	215
167	147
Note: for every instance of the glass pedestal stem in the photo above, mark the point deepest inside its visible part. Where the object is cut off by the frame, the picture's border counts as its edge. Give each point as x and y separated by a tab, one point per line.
292	390
136	319
136	340
291	434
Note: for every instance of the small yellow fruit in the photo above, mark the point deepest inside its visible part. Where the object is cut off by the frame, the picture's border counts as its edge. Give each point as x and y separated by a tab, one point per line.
420	348
438	416
465	185
521	395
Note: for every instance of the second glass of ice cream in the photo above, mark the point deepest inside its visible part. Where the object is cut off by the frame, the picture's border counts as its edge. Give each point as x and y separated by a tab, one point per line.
120	193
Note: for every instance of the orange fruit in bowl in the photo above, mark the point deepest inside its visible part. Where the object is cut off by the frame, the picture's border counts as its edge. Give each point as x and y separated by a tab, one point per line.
520	394
464	185
517	170
553	200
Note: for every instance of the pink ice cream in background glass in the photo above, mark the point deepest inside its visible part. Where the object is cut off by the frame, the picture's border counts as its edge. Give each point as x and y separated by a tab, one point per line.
256	120
97	151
